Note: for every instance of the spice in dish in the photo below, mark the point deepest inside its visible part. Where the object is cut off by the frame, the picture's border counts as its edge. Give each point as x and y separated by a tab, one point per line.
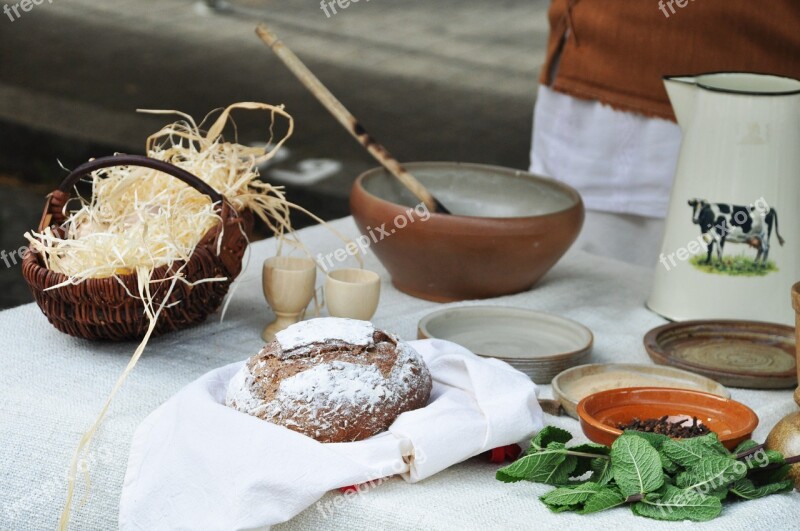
677	426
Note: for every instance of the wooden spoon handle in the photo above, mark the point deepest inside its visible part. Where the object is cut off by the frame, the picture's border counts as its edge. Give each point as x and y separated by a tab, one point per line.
346	118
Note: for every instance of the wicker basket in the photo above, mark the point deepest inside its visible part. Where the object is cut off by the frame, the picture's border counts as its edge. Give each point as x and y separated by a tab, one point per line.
101	309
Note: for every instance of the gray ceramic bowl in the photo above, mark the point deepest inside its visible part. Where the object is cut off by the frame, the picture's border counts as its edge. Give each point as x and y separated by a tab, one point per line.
541	345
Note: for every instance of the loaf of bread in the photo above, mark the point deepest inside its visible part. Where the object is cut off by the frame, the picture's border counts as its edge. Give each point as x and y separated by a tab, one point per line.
334	380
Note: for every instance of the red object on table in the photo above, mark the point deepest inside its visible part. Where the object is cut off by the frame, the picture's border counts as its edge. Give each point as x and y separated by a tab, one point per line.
503	454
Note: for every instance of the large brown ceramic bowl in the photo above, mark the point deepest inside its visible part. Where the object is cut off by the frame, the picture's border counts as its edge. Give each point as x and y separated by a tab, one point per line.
507	230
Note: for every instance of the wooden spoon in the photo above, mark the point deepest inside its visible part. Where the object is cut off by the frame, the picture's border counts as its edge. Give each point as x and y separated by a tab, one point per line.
348	121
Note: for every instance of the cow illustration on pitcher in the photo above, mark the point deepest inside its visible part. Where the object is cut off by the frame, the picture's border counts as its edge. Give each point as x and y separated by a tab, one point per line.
722	223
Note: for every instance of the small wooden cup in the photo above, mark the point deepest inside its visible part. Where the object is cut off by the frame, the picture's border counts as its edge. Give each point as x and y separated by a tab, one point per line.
352	293
288	287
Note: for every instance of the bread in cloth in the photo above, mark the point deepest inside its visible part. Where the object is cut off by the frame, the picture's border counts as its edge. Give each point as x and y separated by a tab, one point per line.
332	379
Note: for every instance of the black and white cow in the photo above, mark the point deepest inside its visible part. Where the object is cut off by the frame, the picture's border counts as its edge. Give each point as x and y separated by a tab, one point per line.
723	222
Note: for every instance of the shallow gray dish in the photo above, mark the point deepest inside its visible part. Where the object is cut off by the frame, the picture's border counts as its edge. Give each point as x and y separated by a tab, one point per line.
574	384
541	345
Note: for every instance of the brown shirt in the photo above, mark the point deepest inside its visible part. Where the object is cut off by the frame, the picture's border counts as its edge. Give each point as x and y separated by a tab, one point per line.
617	51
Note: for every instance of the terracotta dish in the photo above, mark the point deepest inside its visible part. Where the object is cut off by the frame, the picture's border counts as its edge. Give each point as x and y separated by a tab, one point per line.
600	413
747	354
508	229
575	384
538	344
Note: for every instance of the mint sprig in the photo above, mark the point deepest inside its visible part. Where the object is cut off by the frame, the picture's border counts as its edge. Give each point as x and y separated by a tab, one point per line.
658	477
635	466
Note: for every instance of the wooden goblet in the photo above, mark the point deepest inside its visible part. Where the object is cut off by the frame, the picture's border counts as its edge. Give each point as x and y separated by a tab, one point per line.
288	287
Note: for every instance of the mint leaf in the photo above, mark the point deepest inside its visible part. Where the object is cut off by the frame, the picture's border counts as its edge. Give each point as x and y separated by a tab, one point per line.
531	466
668	464
766	466
689	452
591	448
763	458
603	499
676	505
552	465
656	440
559	475
712	475
773	475
568	496
564	508
745	489
548	435
635	466
746	446
712	441
601	471
585	463
775	457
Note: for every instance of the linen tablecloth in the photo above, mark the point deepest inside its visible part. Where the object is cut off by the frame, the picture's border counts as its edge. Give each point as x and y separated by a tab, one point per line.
52	386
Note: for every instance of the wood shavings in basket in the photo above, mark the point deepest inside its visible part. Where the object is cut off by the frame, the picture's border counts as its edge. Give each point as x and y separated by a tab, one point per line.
139	217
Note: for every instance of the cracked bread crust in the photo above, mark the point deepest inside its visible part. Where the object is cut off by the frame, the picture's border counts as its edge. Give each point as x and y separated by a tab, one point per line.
336	390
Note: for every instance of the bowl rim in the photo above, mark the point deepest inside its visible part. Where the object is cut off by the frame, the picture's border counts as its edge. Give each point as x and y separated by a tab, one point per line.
560	393
565	188
658	354
746	429
424	333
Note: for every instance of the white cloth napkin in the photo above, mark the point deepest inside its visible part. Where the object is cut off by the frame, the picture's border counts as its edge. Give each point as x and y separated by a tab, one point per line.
197	464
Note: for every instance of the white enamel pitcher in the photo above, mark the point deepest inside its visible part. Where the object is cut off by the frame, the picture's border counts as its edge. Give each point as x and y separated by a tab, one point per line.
731	248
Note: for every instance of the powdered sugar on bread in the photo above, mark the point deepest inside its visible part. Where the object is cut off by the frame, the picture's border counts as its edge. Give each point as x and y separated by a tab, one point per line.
332	389
239	392
306	333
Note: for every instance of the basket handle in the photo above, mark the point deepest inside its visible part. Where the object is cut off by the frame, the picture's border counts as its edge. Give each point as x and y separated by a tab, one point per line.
144	162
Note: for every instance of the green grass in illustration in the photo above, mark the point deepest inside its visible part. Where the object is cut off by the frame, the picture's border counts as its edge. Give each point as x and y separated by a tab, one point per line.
737	266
